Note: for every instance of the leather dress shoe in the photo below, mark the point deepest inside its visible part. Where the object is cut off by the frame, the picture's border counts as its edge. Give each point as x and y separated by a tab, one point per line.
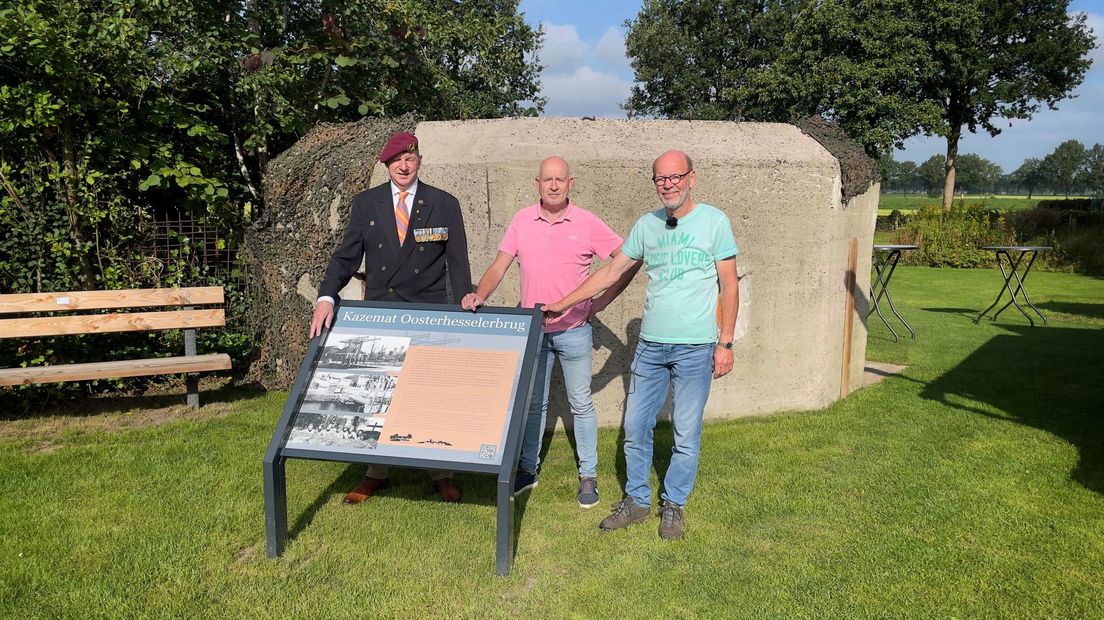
365	489
448	490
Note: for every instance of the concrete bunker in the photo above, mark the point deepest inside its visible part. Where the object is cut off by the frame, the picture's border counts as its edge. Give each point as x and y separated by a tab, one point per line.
782	189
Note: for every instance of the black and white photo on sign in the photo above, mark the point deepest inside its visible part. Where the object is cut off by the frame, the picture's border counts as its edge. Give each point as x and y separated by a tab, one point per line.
349	392
349	351
319	429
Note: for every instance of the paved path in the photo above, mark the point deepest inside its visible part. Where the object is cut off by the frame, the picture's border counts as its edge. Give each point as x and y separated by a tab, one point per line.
876	371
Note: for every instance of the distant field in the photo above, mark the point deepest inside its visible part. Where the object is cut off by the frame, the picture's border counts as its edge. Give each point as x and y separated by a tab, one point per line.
912	202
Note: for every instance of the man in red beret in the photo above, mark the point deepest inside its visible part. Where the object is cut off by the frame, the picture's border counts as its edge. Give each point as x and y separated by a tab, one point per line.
407	233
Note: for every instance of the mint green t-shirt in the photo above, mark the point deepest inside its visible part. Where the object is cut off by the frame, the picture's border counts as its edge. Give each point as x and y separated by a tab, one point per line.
681	303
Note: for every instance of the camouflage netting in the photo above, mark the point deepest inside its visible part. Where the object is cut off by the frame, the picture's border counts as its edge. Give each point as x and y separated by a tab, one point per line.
857	170
307	191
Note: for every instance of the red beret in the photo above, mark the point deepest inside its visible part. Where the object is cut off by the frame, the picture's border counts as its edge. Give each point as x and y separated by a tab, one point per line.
402	142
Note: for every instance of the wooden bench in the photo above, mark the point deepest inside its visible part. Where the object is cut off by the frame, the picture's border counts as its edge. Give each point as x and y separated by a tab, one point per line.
187	318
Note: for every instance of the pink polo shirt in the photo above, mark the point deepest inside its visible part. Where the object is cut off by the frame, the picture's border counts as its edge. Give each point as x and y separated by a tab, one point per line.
555	257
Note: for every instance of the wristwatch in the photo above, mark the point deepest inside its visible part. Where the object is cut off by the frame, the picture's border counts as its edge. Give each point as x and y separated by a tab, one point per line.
727	345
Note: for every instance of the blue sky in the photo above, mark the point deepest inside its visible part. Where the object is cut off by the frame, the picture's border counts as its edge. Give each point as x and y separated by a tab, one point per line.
586	74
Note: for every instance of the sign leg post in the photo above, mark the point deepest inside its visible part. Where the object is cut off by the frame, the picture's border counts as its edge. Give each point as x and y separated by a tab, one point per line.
275	501
504	543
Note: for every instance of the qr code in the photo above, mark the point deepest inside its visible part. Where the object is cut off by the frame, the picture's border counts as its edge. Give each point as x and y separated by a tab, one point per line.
487	452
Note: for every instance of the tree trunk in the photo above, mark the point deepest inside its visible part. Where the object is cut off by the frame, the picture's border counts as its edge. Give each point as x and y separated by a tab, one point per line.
952	154
262	138
69	162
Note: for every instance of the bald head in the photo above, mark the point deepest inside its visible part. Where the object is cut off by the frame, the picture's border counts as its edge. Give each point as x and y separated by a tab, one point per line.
553	165
673	157
554	183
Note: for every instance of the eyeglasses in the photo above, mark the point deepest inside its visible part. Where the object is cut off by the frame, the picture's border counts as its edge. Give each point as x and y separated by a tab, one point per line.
675	179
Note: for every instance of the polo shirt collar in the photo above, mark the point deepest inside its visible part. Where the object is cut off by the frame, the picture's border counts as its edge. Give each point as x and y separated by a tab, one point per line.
568	212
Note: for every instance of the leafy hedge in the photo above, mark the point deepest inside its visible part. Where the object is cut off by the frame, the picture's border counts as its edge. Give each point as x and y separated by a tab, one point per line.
954	238
1070	204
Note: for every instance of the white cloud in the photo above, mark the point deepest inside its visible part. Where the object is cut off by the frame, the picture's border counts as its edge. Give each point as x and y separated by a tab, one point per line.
611	49
585	92
581	79
563	50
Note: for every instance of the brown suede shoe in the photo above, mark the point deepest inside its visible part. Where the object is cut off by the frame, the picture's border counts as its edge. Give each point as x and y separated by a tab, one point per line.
365	489
448	489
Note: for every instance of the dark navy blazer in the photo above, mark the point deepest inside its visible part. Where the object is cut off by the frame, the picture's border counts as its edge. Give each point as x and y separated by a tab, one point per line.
435	250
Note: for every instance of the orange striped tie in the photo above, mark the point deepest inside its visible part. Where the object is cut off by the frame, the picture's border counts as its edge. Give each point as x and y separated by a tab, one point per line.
402	217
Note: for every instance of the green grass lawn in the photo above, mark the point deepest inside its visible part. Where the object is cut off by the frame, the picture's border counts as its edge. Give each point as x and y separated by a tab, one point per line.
911	202
972	485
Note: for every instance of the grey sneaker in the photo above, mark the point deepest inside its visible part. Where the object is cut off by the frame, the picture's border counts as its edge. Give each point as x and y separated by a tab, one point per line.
625	513
671	525
588	492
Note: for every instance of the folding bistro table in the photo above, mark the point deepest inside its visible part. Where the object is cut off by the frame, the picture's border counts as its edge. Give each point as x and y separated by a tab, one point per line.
885	261
1014	255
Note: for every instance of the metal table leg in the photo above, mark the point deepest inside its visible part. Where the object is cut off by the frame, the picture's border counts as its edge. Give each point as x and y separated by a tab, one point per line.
883	270
1009	275
1014	269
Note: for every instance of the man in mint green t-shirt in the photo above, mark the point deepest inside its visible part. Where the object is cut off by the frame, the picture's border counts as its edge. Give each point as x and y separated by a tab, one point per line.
689	254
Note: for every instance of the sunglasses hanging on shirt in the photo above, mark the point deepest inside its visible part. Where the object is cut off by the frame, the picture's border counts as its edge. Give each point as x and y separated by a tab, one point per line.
672	221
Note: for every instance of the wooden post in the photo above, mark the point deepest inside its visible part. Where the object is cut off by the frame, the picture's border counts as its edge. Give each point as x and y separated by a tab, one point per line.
849	316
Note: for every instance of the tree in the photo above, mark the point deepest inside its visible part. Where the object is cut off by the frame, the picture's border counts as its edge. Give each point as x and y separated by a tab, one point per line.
862	65
691	57
1029	175
908	176
111	109
888	169
304	63
889	70
1063	166
931	174
1092	176
1003	61
898	176
976	174
885	71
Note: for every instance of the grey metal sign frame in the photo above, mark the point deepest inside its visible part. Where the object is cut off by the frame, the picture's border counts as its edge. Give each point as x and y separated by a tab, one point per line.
278	453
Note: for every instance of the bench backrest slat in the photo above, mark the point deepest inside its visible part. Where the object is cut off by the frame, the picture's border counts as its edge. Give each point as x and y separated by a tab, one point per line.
102	323
101	300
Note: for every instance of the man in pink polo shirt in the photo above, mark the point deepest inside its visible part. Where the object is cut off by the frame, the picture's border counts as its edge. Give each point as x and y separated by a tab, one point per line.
555	242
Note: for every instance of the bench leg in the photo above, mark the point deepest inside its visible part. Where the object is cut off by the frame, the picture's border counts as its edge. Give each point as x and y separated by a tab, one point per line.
193	390
192	377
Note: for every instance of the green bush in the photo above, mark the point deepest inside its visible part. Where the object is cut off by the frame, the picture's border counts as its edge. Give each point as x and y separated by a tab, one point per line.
1076	237
953	238
1085	250
1066	204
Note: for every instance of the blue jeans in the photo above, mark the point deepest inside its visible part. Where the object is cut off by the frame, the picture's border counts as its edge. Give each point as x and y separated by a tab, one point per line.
573	347
688	368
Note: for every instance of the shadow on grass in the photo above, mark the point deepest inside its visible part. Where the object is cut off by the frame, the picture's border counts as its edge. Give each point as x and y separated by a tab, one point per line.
1092	311
163	398
969	313
412	484
340	485
615	368
1044	377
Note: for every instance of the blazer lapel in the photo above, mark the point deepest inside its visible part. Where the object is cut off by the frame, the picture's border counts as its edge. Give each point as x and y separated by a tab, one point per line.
420	210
